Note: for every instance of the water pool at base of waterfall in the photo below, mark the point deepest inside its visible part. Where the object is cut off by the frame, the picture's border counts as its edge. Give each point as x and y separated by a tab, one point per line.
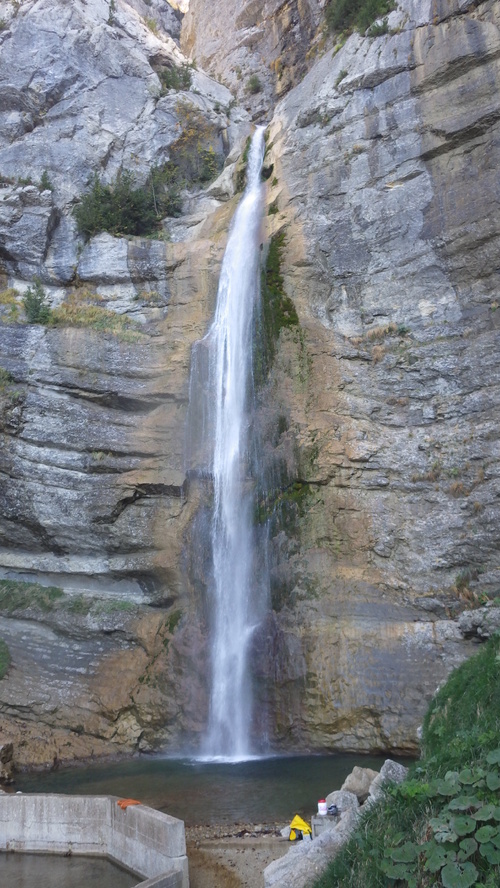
263	790
49	871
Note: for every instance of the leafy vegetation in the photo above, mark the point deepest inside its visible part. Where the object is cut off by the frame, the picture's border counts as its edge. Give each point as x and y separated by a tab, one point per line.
15	595
176	77
123	207
45	183
441	827
254	85
35	304
4	658
119	208
277	311
5	378
343	15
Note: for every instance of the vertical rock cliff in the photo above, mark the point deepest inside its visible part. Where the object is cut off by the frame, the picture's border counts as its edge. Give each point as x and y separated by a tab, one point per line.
377	366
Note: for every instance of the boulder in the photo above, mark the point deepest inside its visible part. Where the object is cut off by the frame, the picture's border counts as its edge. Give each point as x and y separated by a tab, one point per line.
358	782
343	800
390	772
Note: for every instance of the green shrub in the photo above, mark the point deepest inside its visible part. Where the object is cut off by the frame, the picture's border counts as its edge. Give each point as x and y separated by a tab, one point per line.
378	29
4	658
152	24
35	304
441	827
5	378
123	208
343	15
179	78
45	183
119	208
254	84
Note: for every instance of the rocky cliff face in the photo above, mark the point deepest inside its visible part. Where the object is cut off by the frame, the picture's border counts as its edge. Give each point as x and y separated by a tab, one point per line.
385	188
95	500
379	414
259	48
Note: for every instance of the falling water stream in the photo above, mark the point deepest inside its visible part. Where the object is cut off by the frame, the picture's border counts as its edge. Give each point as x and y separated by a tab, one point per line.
228	346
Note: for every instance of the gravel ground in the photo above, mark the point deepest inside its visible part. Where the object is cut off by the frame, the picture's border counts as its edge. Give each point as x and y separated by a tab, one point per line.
232	857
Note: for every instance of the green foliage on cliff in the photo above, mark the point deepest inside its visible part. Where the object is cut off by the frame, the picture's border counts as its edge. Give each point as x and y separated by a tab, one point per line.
441	827
277	311
176	77
4	658
254	84
123	207
119	208
16	595
342	15
35	304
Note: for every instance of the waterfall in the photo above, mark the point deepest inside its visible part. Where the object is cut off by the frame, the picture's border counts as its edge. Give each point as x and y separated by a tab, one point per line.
226	352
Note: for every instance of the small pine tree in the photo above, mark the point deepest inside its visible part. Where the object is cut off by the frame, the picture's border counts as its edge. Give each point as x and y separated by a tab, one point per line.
35	304
45	183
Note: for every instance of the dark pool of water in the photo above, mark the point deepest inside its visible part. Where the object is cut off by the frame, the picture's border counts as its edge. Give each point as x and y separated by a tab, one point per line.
47	871
257	791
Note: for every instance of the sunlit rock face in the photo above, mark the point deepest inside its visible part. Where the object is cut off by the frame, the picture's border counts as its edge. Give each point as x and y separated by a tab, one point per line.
259	48
378	423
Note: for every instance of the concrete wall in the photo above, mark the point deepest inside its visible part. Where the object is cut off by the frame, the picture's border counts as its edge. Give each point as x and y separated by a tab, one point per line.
145	841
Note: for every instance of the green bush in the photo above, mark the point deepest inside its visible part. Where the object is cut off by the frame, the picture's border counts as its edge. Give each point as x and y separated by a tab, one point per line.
45	183
342	15
123	208
35	304
179	78
254	85
4	658
119	208
441	827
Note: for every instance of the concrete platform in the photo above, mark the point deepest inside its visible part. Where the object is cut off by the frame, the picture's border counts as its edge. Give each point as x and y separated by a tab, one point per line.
322	822
150	844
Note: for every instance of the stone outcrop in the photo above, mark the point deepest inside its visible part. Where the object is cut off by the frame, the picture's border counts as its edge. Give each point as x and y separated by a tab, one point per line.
95	498
383	404
259	48
378	422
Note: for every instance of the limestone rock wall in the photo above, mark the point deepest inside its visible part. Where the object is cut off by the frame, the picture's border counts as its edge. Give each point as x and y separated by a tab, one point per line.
378	424
270	41
95	498
385	188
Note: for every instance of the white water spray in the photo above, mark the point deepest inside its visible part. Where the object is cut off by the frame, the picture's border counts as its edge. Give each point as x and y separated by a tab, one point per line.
229	344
